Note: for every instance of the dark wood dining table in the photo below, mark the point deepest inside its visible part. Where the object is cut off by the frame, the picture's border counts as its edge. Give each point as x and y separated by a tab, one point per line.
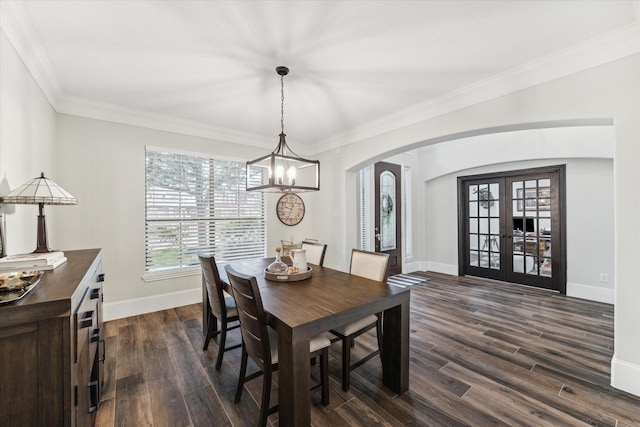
330	298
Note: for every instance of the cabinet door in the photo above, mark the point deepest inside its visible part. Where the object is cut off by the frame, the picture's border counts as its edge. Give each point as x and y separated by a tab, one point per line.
19	375
83	387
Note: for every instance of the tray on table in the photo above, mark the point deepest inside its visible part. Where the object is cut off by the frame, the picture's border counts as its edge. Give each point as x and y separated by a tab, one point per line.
15	285
291	277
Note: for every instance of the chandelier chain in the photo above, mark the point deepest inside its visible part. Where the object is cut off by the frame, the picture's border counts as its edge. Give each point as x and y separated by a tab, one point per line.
282	103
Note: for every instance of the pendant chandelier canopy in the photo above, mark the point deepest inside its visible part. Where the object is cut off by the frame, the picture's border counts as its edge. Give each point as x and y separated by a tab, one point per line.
283	170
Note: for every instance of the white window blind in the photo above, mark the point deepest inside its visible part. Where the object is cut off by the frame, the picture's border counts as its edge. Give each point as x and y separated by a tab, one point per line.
407	211
198	204
365	211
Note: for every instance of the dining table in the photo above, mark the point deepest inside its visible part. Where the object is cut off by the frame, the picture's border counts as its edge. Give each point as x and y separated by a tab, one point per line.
299	310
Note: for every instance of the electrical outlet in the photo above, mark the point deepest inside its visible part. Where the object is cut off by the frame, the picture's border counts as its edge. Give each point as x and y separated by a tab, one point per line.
604	278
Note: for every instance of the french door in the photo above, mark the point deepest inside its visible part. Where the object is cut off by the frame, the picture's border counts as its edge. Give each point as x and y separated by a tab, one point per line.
511	227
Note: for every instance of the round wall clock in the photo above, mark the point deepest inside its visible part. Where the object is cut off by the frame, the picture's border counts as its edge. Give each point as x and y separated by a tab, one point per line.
290	209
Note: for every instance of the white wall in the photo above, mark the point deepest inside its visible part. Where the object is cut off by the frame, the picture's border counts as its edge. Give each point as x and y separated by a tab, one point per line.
104	166
27	127
610	93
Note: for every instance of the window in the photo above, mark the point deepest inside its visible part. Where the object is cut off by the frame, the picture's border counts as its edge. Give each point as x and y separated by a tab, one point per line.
365	211
407	224
199	204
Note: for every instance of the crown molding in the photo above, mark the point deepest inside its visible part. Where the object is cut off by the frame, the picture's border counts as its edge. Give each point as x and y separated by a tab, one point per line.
609	47
130	116
17	27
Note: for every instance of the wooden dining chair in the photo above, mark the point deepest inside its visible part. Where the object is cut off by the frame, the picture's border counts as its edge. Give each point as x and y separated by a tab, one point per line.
374	266
223	308
314	252
260	342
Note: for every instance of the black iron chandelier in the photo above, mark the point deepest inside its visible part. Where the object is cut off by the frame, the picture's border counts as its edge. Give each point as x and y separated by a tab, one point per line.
283	170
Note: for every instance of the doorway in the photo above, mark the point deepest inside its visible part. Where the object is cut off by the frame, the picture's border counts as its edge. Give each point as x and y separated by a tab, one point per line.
512	227
388	213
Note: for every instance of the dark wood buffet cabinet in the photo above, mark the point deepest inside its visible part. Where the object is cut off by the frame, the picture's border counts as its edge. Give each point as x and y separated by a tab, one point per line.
51	347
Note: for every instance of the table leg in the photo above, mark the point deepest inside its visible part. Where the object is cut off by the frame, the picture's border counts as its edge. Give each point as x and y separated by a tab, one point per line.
395	345
294	382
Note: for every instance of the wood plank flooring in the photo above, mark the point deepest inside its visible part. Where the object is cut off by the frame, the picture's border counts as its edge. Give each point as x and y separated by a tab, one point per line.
482	354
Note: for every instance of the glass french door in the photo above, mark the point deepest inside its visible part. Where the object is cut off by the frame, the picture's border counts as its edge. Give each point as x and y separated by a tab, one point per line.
484	220
511	227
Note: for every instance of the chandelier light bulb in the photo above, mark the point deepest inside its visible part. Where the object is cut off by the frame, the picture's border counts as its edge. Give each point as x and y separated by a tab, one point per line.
279	174
291	175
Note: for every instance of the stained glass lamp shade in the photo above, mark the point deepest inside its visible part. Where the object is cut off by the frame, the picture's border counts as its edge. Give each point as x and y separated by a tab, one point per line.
40	191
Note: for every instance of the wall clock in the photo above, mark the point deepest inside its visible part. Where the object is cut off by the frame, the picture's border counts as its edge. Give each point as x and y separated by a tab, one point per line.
290	209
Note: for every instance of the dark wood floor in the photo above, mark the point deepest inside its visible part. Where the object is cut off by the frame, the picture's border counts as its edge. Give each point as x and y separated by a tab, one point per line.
482	354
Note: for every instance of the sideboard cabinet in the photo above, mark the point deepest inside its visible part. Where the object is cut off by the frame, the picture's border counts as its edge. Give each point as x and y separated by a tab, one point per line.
51	347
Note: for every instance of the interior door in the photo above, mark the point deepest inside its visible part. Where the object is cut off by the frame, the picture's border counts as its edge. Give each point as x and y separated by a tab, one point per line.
532	234
388	213
484	228
511	227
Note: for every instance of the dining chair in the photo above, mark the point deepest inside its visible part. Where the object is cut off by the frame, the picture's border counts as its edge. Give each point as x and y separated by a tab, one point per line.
223	308
314	252
374	266
260	342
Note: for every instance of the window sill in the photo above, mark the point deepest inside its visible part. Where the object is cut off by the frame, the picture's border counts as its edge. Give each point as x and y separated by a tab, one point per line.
173	273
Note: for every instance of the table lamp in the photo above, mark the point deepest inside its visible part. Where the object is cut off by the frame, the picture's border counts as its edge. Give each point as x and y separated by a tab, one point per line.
40	191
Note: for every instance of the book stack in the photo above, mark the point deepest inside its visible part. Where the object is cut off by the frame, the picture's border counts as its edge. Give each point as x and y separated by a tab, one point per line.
35	261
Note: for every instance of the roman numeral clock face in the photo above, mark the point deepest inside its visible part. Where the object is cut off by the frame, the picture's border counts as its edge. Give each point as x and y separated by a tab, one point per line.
290	209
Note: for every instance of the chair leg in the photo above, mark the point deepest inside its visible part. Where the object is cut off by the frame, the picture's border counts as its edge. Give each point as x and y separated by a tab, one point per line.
243	372
212	330
346	362
266	395
221	344
324	375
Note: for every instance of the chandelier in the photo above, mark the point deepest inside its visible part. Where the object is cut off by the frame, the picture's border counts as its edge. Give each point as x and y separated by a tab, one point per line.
283	170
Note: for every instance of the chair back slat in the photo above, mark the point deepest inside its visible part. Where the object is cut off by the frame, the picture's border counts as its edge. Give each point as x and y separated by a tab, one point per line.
253	319
371	265
214	285
314	252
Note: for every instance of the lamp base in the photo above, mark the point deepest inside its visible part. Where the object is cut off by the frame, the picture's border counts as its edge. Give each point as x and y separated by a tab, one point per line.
43	244
3	252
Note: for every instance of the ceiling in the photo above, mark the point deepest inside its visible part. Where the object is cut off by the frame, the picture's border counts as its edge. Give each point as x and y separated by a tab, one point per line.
208	67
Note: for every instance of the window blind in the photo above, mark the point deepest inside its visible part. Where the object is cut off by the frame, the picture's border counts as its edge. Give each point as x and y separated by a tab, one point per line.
407	223
365	212
198	204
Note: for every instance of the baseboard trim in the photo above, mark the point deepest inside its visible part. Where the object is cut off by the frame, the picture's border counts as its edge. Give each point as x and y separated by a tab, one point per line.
591	293
440	267
625	376
137	306
410	267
